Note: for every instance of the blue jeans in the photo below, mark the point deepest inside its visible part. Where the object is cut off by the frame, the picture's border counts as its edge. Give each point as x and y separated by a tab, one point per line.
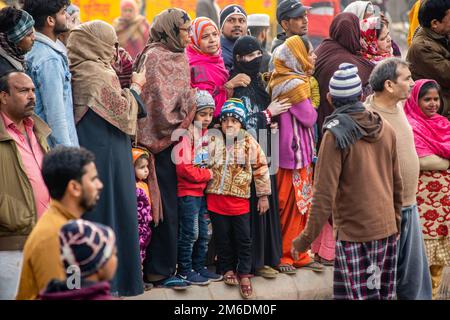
193	233
413	275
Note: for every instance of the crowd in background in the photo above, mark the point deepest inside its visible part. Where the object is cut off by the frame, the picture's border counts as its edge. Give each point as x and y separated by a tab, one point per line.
183	151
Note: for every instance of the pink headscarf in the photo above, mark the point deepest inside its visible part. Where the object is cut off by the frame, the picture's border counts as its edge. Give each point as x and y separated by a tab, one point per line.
431	135
208	71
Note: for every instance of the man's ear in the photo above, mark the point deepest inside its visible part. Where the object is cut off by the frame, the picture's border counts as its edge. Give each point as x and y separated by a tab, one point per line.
50	21
74	189
389	86
285	25
329	99
3	96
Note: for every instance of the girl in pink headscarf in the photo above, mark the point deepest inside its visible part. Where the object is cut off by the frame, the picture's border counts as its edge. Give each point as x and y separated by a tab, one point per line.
432	139
208	70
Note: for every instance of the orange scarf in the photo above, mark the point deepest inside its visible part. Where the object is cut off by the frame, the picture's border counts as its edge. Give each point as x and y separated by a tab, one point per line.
289	79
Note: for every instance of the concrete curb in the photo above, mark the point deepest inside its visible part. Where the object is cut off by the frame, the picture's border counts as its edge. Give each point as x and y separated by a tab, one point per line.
304	285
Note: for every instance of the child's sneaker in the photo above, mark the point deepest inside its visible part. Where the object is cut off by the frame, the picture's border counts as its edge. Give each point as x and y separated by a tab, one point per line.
194	278
204	272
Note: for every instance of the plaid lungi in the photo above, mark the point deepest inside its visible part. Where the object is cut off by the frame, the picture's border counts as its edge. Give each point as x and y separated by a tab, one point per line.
365	270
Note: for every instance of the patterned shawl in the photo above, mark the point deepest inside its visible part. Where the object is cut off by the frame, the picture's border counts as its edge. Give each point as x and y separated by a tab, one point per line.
431	135
289	79
91	49
167	95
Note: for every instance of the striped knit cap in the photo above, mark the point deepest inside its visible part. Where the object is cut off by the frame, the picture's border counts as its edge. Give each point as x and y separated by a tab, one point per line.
345	82
198	27
234	108
229	11
87	245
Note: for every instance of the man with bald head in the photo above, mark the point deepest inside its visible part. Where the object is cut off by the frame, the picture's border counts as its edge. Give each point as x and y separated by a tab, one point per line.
23	194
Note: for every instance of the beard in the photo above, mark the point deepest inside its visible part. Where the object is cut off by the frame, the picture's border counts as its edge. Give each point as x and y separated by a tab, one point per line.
60	28
86	204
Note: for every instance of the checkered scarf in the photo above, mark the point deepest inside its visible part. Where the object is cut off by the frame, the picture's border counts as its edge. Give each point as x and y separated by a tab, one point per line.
11	49
21	29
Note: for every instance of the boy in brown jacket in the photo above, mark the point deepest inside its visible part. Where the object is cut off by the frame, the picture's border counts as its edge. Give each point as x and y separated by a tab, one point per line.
358	180
235	161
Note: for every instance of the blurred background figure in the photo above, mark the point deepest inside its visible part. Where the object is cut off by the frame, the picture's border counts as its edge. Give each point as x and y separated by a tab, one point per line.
259	27
209	9
320	17
131	27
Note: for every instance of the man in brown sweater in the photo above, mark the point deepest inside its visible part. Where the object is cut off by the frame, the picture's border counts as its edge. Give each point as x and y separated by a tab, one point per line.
392	82
357	180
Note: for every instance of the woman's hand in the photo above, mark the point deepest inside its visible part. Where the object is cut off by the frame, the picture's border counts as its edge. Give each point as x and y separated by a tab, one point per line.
278	107
263	205
139	78
240	80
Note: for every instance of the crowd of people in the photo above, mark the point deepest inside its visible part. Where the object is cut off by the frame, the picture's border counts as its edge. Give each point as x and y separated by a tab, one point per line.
182	152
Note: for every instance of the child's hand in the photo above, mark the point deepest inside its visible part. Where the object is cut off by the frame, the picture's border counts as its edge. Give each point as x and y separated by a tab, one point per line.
263	205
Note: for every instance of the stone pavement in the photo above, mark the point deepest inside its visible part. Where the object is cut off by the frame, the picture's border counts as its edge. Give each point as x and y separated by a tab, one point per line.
304	285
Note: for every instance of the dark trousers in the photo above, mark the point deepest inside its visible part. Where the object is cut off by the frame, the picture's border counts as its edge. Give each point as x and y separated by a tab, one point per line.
193	233
233	242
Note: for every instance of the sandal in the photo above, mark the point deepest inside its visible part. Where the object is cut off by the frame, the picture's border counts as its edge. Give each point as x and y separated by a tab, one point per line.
286	268
148	286
246	289
230	279
267	272
313	265
325	262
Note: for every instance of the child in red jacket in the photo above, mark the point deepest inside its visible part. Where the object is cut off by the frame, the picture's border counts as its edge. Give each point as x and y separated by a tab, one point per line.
193	175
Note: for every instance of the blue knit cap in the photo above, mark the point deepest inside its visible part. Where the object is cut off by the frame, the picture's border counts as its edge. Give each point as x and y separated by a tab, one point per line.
21	29
345	82
87	245
234	108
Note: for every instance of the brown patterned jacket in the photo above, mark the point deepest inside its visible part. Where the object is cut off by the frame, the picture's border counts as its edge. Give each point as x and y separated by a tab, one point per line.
234	167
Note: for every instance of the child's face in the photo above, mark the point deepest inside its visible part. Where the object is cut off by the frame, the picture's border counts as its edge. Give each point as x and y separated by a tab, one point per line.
231	126
312	57
204	117
141	169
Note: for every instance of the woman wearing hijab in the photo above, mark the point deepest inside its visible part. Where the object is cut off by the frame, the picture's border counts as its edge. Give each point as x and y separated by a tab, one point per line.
170	105
432	140
131	27
106	117
266	229
376	41
365	10
290	80
208	70
362	9
342	46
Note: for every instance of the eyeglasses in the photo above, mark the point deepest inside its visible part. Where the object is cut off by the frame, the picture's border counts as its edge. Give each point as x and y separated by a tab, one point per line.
188	29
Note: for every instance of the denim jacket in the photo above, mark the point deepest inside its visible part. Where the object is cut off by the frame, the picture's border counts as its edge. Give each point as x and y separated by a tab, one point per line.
48	66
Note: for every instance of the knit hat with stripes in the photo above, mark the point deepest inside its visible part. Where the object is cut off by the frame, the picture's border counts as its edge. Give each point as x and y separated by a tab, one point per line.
345	83
229	11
